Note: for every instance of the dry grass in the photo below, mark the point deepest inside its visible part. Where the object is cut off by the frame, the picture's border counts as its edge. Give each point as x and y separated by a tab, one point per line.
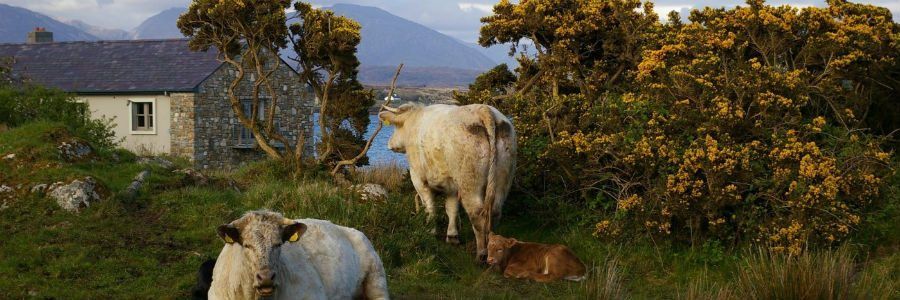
391	176
816	275
813	275
702	289
605	282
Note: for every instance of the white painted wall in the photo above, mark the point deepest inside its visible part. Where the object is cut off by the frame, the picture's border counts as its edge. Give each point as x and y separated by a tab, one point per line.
119	107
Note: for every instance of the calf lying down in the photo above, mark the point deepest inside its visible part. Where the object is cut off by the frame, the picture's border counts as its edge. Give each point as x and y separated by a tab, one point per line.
539	262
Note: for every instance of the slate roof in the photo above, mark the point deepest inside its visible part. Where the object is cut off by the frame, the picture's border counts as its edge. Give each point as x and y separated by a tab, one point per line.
100	67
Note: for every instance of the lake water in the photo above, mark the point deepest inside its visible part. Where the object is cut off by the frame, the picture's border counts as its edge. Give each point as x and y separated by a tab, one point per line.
379	153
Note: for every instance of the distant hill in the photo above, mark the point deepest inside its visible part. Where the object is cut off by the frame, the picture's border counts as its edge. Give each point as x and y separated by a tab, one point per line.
100	32
388	40
17	22
160	26
418	76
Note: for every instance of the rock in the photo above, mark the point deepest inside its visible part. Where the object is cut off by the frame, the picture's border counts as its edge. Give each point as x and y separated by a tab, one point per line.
10	156
194	176
159	161
76	195
132	191
39	189
74	151
5	189
370	191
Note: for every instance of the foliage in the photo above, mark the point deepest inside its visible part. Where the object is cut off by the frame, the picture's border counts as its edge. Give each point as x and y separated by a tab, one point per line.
585	43
326	46
348	120
746	124
491	84
248	36
24	103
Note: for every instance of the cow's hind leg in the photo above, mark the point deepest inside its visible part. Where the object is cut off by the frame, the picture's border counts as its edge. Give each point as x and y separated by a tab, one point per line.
472	201
478	223
452	208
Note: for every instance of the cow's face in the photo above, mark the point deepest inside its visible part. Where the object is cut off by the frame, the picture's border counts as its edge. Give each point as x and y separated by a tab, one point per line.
399	117
261	235
498	248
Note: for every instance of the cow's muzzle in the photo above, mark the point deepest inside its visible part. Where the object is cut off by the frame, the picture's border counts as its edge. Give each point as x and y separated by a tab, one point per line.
265	283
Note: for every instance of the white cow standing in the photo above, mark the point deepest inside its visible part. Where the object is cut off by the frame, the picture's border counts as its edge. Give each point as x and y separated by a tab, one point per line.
269	256
467	153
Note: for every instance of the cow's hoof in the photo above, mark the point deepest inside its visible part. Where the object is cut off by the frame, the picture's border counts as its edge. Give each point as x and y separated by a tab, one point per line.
453	240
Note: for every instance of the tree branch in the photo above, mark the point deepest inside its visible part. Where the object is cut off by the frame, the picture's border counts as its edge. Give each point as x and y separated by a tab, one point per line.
353	161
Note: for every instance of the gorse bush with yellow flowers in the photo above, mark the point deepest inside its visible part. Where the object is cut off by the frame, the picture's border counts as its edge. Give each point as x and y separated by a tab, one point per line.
750	124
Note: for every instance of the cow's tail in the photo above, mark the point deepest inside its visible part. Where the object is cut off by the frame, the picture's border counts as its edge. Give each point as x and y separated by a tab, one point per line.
487	117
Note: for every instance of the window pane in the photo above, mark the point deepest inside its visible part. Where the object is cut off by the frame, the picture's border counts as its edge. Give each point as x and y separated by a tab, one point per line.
150	122
149	108
140	108
142	122
248	106
262	109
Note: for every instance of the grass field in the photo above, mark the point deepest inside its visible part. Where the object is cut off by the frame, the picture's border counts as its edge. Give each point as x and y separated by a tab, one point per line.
151	247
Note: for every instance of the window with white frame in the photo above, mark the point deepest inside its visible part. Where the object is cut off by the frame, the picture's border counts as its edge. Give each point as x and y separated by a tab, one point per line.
142	116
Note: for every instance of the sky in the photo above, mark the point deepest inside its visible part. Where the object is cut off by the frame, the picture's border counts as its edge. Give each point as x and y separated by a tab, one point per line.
459	19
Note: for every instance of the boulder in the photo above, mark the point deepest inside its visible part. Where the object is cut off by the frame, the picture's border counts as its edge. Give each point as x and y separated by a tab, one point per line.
132	191
370	191
10	156
75	195
74	151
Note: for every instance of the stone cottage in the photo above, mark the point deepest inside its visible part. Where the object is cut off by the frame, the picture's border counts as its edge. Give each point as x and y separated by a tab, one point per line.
164	98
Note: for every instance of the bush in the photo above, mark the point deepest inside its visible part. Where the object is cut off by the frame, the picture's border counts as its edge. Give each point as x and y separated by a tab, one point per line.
23	103
746	124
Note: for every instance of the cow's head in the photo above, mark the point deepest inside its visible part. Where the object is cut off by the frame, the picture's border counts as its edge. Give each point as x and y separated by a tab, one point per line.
260	234
498	248
400	117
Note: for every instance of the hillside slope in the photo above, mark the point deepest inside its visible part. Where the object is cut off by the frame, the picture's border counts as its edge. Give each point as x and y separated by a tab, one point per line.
17	22
388	40
160	26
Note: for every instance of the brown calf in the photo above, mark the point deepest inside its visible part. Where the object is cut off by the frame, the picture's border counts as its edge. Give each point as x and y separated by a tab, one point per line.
539	262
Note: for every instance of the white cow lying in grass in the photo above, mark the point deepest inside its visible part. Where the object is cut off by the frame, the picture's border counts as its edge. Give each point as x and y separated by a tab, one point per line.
267	255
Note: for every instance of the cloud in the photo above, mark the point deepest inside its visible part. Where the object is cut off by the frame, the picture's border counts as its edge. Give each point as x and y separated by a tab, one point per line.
469	7
663	10
104	2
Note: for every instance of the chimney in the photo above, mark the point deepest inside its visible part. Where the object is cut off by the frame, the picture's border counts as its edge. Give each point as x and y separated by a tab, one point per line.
40	35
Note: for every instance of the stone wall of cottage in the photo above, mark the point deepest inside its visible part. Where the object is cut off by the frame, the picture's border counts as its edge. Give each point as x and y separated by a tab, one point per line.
215	142
182	120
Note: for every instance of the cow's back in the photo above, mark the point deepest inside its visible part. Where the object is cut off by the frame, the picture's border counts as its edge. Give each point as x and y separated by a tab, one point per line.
452	148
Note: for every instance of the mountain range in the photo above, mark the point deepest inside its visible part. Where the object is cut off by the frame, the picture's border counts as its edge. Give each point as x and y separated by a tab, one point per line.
431	58
16	23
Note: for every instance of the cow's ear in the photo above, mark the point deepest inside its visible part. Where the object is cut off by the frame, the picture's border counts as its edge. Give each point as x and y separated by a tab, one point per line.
292	233
391	118
229	233
511	242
